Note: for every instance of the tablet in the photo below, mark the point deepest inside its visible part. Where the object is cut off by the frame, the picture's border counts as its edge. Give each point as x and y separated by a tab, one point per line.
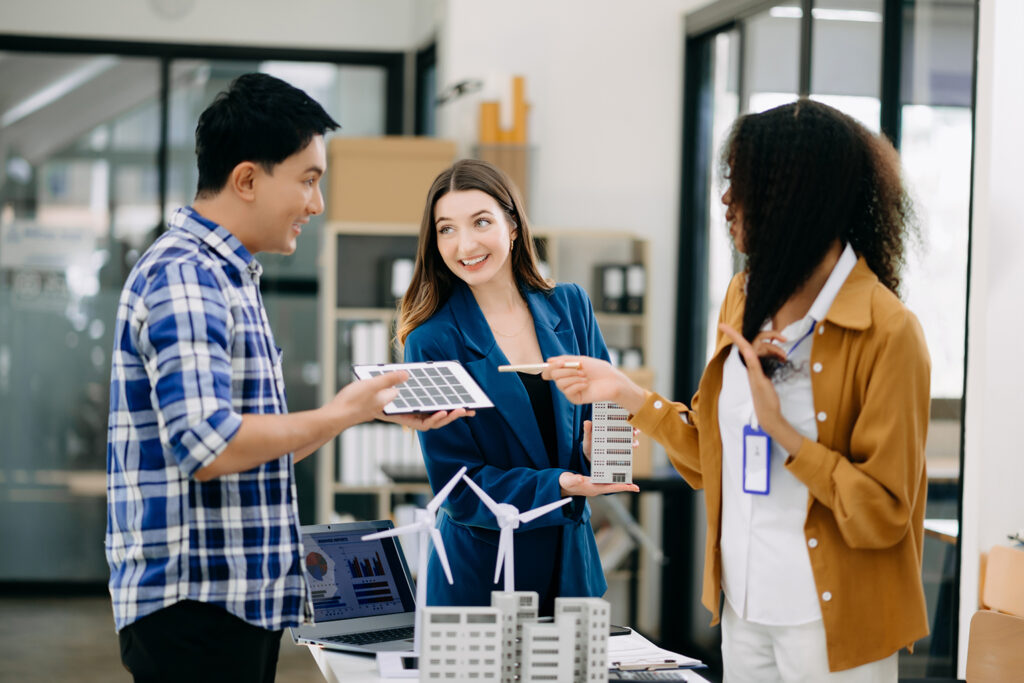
432	386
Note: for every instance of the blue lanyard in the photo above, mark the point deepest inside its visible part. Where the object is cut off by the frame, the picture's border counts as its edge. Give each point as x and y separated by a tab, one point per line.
801	339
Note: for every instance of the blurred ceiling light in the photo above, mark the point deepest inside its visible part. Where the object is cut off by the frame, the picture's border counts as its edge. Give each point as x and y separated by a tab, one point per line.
58	89
826	14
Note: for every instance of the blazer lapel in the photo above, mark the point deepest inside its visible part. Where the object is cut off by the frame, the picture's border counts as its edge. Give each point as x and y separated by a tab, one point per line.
505	390
556	338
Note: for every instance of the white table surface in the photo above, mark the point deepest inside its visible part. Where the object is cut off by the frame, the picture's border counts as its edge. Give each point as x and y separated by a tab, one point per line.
339	667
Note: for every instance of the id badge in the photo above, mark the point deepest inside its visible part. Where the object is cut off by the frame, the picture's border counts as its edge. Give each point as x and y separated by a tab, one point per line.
757	451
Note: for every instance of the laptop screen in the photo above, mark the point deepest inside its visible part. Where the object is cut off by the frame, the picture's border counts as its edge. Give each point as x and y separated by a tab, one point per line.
351	578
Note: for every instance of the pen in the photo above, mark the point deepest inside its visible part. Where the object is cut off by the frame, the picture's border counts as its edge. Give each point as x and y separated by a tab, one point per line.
534	368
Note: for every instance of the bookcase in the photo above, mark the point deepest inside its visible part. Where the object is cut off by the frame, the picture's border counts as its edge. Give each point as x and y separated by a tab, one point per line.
359	261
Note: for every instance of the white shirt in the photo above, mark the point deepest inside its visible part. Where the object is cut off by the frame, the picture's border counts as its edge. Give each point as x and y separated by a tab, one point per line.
766	569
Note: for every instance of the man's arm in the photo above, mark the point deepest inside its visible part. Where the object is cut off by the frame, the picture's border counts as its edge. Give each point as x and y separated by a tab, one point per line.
262	438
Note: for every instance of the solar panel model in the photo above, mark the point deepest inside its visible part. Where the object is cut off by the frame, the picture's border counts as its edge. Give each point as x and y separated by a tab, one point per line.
611	445
432	386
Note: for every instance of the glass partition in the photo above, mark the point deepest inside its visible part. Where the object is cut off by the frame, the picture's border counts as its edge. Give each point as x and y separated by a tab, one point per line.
78	195
82	195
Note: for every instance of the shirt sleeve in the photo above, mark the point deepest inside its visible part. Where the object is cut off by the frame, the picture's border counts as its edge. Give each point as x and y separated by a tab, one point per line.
185	342
873	490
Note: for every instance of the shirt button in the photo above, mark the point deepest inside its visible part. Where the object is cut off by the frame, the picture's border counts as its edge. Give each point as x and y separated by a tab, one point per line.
822	416
821	329
658	405
826	596
812	542
817	367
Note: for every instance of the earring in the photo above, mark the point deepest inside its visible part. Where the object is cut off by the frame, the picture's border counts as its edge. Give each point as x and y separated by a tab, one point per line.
511	245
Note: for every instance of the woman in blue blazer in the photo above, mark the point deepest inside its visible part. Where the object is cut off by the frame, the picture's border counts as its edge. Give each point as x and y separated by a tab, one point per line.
477	297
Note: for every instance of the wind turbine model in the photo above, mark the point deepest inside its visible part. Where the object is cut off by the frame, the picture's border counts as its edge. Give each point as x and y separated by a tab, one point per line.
425	527
509	519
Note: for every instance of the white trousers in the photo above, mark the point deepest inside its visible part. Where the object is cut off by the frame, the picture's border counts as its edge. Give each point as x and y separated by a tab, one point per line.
756	653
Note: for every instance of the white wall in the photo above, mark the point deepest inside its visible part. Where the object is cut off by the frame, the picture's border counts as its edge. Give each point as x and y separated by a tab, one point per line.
386	25
604	79
993	465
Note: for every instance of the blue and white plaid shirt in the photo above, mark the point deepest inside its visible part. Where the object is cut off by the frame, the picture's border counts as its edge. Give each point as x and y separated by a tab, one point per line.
193	351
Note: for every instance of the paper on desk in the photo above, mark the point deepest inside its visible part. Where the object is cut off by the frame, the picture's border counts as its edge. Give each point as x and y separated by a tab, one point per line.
635	652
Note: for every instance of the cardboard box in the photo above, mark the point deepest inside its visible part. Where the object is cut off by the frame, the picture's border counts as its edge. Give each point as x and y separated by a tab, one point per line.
514	161
385	179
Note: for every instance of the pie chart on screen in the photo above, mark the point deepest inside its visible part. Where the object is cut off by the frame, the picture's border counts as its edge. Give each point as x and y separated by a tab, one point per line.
316	565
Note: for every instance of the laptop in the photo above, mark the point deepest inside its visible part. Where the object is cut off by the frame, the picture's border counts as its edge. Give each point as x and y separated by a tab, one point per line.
363	593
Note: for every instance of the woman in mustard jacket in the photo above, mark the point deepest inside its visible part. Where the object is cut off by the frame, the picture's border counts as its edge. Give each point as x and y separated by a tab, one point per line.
808	428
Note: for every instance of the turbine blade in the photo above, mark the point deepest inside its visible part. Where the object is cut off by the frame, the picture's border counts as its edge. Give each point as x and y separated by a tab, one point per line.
487	500
435	535
505	533
443	493
510	564
533	514
397	531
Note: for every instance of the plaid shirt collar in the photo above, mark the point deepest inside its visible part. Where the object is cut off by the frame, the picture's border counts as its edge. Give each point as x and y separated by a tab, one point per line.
218	238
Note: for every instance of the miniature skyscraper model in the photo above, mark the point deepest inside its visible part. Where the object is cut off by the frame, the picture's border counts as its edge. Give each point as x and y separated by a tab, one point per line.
611	445
590	620
507	642
509	518
461	643
547	651
517	608
425	526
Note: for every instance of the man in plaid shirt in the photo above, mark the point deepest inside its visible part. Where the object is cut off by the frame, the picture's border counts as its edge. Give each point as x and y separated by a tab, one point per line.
202	525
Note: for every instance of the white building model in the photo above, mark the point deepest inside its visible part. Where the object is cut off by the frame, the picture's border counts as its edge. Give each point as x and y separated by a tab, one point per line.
461	644
611	445
517	608
506	642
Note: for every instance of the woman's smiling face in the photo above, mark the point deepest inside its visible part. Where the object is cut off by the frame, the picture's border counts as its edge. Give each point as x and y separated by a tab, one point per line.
474	237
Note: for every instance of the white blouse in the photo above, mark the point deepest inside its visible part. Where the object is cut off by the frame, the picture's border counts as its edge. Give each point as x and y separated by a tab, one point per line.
766	570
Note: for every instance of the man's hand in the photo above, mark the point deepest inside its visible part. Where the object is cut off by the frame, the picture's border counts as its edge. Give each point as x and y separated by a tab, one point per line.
364	399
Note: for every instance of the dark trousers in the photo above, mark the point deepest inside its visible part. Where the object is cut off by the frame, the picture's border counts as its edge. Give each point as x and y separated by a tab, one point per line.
194	642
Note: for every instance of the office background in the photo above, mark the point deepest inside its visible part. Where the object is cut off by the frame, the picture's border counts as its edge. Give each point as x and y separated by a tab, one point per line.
611	137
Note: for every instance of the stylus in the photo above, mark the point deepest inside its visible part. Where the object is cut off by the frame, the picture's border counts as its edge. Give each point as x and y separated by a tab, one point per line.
534	368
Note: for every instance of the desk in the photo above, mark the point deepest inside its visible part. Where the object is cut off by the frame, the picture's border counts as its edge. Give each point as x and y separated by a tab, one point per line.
339	667
946	530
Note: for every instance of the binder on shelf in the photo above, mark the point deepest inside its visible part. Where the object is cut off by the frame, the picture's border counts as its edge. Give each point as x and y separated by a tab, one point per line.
611	287
636	286
394	278
632	358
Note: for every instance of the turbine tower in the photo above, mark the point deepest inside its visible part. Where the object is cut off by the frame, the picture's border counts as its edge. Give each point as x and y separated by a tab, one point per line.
424	525
509	518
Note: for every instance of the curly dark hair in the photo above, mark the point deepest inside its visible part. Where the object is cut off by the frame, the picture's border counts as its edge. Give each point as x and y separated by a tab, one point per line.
805	175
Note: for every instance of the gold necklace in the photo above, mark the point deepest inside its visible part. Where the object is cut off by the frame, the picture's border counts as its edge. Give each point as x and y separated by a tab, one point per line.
498	332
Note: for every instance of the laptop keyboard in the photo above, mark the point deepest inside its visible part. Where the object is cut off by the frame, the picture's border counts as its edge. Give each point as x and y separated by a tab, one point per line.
374	636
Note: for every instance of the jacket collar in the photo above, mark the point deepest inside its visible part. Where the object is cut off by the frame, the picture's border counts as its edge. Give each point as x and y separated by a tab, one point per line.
505	389
851	307
477	334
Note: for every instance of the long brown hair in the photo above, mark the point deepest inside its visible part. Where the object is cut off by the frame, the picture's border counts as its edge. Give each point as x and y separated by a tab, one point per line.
805	175
432	282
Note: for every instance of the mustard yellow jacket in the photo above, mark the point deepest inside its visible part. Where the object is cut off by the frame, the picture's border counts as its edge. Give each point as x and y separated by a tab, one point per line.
865	474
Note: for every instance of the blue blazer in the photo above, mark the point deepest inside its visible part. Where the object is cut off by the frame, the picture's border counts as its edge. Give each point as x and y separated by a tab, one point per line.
502	447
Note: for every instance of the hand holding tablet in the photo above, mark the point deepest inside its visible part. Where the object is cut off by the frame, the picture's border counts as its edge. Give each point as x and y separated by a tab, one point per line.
431	387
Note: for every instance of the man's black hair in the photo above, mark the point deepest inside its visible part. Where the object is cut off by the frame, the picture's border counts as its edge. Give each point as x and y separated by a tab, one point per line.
260	119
